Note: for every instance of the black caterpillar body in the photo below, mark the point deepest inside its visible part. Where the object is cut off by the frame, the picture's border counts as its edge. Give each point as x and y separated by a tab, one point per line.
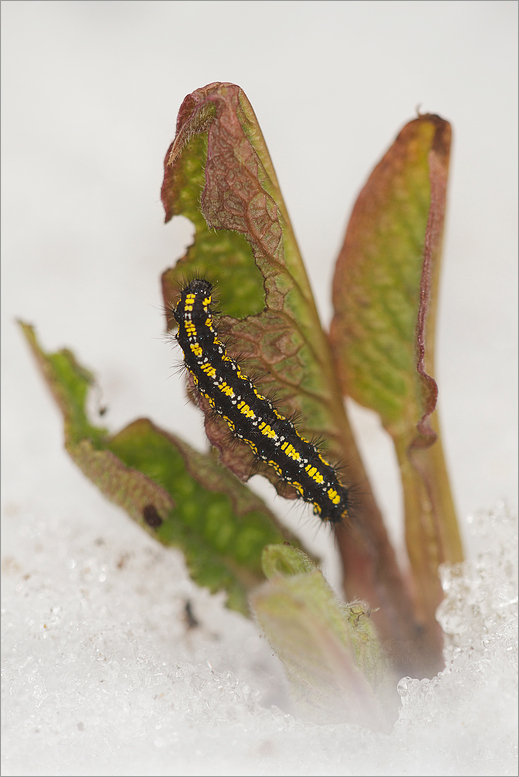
250	416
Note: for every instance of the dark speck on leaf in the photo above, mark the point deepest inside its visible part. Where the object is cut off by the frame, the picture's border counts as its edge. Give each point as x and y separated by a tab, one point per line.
151	516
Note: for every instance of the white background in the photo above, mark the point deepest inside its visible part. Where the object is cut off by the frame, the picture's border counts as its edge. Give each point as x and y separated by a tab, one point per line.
90	94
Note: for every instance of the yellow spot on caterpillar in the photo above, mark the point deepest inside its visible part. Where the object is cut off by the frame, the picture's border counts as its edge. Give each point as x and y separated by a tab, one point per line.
208	369
252	447
314	474
290	451
267	430
326	464
333	496
229	422
226	389
245	410
278	470
276	467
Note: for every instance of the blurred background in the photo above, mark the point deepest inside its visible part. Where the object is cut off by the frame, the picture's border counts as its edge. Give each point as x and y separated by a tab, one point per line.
101	674
90	95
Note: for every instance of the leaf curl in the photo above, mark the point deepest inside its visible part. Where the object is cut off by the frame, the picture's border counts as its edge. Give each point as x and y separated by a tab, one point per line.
385	295
181	497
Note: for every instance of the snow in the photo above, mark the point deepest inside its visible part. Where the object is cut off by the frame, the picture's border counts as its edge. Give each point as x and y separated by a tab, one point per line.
101	674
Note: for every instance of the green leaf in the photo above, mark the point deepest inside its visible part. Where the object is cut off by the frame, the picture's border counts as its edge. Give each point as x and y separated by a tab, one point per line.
181	497
285	561
329	650
385	296
218	173
377	290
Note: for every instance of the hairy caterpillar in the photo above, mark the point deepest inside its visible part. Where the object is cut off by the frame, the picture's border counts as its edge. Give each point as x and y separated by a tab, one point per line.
251	417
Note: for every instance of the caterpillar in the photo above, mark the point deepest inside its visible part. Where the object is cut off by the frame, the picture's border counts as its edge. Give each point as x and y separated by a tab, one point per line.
251	417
